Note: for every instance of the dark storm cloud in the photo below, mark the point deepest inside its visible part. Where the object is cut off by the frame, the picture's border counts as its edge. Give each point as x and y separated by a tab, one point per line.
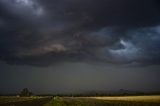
44	32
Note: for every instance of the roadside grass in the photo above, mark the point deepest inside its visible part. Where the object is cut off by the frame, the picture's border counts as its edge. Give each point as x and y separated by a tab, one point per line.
56	101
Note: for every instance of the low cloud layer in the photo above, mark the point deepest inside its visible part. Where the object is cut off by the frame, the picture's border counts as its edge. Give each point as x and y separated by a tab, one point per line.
46	32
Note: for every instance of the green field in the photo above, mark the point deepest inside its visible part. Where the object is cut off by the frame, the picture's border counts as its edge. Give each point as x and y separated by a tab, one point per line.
81	101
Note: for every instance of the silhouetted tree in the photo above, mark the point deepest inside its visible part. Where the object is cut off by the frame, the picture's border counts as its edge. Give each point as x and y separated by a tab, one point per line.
25	92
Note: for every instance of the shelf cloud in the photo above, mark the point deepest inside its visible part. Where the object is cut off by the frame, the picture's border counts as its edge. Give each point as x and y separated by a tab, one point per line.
47	32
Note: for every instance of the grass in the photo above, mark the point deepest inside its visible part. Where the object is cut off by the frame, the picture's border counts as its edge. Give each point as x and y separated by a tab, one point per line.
6	99
56	101
23	101
131	98
81	101
106	101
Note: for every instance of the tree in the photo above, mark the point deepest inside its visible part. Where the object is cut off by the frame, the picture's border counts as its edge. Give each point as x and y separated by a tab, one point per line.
25	92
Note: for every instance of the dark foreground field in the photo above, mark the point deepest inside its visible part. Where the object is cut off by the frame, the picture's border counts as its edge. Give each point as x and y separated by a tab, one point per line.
82	101
23	101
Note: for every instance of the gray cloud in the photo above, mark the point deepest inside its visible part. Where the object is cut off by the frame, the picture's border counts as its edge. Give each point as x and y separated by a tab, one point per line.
39	32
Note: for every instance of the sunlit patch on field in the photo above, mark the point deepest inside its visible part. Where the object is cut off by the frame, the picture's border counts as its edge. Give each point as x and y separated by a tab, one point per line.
132	98
113	101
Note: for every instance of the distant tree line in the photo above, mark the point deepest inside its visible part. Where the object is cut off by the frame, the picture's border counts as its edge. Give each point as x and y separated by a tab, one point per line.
120	92
26	93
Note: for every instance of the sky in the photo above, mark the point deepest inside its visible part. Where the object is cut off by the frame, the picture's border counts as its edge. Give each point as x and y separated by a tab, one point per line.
71	46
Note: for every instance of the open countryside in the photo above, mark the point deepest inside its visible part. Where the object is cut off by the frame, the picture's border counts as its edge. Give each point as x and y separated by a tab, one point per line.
80	101
79	52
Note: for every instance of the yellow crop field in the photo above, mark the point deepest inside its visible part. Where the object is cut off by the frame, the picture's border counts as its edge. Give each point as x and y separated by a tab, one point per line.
106	101
131	98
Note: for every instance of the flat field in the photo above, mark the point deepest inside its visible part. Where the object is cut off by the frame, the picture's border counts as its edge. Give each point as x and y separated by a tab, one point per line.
81	101
106	101
131	98
23	101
